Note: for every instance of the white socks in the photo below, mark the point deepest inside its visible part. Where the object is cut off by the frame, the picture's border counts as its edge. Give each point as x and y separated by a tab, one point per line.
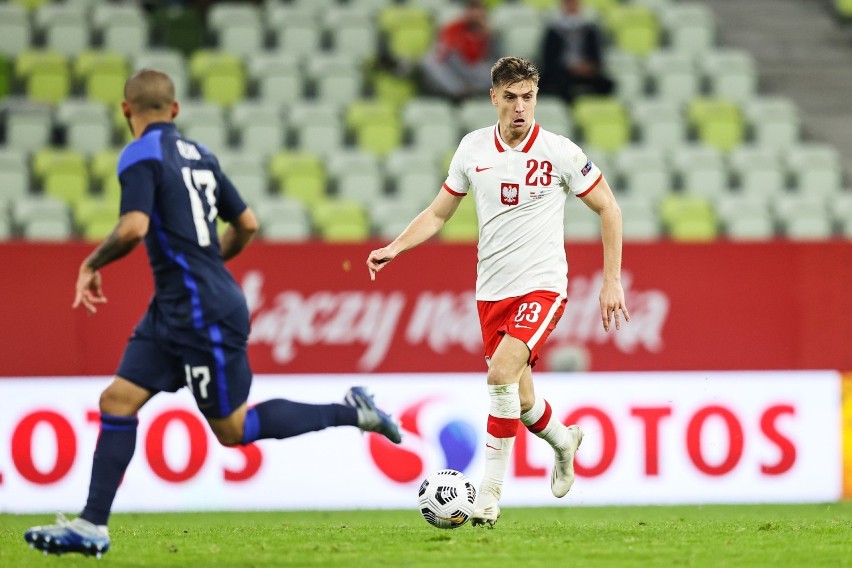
503	418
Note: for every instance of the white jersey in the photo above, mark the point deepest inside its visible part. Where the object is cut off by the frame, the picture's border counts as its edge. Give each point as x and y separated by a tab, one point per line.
520	203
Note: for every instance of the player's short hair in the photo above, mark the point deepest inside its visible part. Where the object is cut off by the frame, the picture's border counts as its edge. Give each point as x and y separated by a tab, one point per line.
511	70
150	90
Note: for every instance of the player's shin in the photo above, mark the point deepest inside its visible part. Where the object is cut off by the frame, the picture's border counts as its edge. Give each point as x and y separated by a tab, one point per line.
113	451
503	416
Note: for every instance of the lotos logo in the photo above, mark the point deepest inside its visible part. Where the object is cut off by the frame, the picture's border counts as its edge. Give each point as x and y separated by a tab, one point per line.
434	438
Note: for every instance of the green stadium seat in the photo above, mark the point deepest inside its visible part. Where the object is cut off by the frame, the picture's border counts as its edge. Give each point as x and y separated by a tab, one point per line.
220	76
51	160
718	122
843	8
361	112
391	88
395	16
70	187
635	28
103	166
463	226
300	175
179	28
95	210
341	221
688	218
5	76
46	75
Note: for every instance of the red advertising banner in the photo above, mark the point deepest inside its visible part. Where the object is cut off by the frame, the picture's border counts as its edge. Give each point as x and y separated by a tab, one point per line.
314	309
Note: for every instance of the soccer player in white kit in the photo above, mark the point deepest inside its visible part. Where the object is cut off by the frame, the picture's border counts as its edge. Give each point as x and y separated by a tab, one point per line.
518	173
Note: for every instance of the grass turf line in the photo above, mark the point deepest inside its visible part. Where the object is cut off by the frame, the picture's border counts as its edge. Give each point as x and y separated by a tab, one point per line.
712	536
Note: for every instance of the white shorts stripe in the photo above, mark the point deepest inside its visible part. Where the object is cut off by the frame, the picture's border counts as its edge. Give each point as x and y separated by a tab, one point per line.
544	324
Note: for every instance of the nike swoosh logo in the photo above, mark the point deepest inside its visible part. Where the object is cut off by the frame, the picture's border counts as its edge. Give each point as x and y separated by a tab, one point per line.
492	447
524	326
478	169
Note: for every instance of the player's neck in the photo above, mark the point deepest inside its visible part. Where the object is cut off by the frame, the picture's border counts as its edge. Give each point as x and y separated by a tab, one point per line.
140	124
513	137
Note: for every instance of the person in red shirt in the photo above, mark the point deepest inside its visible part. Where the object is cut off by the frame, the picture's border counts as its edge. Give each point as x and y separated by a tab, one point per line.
460	63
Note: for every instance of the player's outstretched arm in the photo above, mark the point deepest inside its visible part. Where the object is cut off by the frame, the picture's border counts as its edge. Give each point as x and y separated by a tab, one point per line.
422	228
239	234
129	231
602	201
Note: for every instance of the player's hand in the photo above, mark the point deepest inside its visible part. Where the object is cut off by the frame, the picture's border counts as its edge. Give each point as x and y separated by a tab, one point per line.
378	259
612	300
89	291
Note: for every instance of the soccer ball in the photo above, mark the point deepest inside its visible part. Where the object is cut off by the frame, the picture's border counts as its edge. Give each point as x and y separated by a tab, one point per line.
446	499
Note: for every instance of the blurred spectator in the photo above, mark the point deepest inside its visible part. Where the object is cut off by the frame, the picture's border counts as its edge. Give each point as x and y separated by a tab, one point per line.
572	54
460	63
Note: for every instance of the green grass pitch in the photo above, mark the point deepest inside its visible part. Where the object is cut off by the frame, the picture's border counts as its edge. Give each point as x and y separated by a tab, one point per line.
717	536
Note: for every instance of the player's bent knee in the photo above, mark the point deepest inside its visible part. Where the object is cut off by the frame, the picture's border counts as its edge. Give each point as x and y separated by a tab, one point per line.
229	439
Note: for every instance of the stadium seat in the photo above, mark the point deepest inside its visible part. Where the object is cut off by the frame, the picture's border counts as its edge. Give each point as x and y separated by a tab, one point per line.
300	39
95	211
220	76
281	230
581	224
357	38
553	114
774	121
65	27
14	176
702	171
808	229
750	229
299	175
363	187
718	122
106	86
476	113
103	166
169	61
28	126
5	77
45	74
87	124
691	27
237	26
31	208
731	74
47	230
341	221
259	126
644	171
757	171
627	72
392	88
179	28
129	37
659	123
815	168
673	75
635	28
790	208
277	76
205	123
523	40
391	215
428	110
15	32
688	218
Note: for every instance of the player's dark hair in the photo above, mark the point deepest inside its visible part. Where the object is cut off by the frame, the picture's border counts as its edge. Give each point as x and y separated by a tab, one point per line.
150	90
511	70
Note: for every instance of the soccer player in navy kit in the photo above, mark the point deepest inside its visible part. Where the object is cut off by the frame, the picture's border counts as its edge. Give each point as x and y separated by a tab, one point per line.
195	331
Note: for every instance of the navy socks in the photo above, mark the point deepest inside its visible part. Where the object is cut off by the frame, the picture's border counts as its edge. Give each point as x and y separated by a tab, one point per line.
280	418
115	446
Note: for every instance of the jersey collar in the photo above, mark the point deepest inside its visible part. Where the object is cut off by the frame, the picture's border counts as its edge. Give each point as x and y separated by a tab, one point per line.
159	126
525	144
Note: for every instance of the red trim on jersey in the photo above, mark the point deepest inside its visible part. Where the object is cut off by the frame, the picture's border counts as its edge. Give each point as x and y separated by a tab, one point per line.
529	143
541	423
502	427
497	140
597	181
456	193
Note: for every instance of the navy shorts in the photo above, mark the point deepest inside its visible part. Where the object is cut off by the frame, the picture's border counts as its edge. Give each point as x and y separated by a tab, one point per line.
212	361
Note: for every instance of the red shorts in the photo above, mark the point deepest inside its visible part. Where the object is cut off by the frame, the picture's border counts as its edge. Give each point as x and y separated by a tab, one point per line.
529	318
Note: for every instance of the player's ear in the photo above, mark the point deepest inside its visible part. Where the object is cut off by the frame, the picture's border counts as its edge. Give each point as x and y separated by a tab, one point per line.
493	96
125	109
175	109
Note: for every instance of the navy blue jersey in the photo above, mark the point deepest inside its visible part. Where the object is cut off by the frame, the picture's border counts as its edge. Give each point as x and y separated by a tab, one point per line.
179	185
